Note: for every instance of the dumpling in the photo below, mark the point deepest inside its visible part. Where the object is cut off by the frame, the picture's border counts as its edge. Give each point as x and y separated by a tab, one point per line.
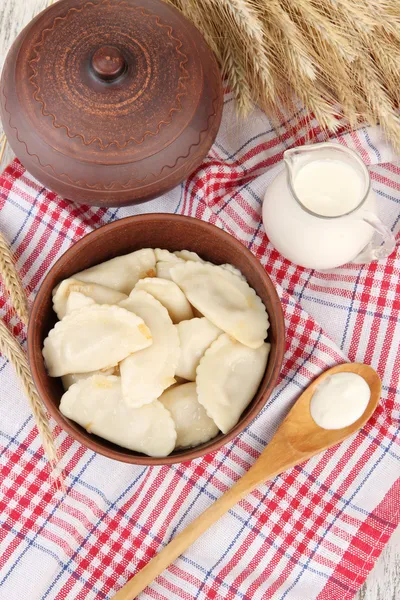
233	270
170	295
146	374
123	272
225	299
99	293
95	337
68	380
76	300
97	405
228	377
164	255
193	425
163	267
188	255
195	337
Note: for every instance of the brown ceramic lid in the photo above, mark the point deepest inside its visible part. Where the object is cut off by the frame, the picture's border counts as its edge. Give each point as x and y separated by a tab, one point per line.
110	102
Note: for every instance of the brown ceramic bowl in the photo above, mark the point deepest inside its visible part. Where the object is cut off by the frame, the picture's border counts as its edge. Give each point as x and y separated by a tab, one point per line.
172	232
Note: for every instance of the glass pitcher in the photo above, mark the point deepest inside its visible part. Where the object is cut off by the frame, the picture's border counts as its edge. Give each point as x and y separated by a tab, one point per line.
311	238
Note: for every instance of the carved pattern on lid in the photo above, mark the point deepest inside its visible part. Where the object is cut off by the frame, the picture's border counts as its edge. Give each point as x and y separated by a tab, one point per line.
102	143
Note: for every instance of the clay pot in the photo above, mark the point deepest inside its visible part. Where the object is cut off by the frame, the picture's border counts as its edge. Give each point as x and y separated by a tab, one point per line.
172	232
110	103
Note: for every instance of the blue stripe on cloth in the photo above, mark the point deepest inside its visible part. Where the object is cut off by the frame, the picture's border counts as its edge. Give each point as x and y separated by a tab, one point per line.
74	479
361	311
232	197
65	567
29	213
113	215
371	145
180	199
220	147
388	196
395	223
253	195
228	101
253	528
250	245
14	438
307	281
45	550
391	389
35	217
379	444
327	530
136	525
350	309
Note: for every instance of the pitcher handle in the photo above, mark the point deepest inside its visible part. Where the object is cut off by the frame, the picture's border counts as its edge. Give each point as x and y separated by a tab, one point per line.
372	251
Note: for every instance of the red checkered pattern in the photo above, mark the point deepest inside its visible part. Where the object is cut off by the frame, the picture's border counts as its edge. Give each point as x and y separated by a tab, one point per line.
313	532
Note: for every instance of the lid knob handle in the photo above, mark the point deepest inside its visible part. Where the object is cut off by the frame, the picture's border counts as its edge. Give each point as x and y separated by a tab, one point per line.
108	63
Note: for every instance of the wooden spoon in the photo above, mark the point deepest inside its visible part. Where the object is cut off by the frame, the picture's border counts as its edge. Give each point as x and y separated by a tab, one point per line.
297	439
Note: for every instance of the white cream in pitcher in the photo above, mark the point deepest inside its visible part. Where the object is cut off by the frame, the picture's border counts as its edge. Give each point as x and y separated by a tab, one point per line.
329	188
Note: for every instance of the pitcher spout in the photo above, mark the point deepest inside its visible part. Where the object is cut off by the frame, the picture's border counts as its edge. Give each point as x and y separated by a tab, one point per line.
295	157
288	159
292	160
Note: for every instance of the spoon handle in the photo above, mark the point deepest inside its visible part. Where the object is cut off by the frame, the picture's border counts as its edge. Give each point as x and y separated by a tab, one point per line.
177	546
273	460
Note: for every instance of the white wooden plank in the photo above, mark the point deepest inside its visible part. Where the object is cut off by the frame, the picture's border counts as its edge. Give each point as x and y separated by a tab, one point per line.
383	583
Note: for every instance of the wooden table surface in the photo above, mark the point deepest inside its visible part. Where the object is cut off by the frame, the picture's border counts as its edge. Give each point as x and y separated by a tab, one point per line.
383	582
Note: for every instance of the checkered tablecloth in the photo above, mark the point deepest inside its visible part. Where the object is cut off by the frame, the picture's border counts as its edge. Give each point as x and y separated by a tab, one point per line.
313	532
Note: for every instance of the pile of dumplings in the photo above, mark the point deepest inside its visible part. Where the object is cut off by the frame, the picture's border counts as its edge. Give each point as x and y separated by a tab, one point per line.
157	350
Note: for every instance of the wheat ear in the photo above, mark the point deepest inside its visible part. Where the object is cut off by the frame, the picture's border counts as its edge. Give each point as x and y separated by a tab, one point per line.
274	52
242	15
12	281
378	100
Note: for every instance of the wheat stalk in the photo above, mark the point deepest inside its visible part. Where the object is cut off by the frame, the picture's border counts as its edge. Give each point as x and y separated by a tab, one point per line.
10	348
299	66
386	55
241	16
377	98
3	145
12	281
340	58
